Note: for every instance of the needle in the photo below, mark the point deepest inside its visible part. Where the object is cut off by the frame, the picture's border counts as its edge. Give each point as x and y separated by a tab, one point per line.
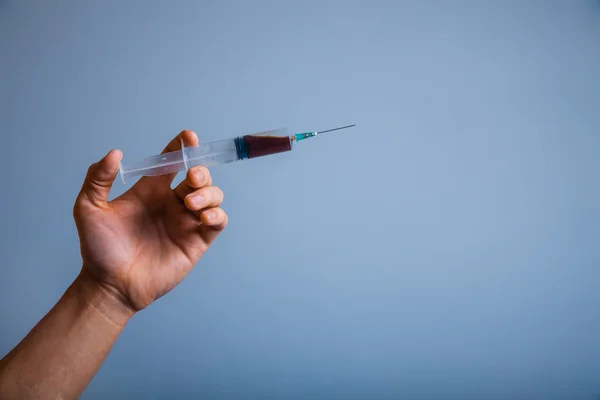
336	129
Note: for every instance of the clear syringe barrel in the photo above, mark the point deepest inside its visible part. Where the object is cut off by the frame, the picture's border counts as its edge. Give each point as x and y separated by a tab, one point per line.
209	154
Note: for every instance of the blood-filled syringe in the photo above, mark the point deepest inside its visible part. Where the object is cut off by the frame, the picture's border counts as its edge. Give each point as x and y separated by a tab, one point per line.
218	152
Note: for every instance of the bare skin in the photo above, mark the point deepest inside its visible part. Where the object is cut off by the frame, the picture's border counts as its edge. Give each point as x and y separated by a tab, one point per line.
135	249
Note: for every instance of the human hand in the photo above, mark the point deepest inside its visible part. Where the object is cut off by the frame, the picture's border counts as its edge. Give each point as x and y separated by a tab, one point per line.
140	245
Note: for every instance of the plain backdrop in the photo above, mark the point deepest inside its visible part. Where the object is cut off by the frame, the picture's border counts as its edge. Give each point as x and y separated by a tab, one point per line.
448	247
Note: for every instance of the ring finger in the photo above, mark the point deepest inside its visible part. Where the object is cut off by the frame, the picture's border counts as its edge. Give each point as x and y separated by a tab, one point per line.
206	197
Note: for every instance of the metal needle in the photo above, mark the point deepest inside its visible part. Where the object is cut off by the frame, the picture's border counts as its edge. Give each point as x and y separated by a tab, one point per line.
336	129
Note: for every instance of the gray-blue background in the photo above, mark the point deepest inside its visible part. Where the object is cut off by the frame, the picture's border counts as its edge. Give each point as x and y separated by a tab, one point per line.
446	248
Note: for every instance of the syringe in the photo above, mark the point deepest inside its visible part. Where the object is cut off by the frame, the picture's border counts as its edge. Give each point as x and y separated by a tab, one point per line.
218	152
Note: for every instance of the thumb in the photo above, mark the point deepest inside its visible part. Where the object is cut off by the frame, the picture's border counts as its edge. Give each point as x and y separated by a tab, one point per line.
100	177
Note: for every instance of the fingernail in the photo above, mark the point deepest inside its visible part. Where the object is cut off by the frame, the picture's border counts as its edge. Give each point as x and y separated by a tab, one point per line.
211	215
196	200
200	176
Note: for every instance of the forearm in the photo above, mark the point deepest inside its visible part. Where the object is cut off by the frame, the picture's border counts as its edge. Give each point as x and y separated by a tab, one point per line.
60	356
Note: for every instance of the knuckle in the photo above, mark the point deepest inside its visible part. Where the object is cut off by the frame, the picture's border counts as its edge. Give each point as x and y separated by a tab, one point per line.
91	170
76	207
193	170
189	202
185	134
202	172
188	136
196	177
207	194
225	219
219	193
221	220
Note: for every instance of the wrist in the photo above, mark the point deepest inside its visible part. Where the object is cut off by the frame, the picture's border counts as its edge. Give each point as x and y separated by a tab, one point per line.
102	298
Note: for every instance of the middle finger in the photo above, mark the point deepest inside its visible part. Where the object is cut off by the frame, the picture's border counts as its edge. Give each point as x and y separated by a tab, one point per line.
196	178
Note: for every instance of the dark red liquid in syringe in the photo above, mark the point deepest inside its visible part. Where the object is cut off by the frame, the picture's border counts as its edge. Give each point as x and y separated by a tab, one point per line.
258	146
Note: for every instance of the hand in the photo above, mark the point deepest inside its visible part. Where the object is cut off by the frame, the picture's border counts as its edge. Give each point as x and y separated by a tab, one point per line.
142	244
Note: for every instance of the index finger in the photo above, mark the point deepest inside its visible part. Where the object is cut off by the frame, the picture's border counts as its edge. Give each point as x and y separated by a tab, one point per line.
189	138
